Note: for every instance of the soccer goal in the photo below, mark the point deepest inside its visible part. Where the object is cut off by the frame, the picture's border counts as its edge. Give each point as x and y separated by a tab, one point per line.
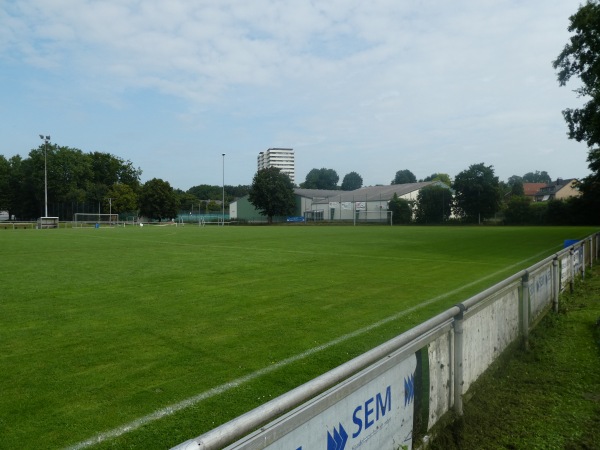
377	216
95	220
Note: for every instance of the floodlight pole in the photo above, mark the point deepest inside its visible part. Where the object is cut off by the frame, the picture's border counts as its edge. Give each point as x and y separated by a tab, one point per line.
223	217
46	139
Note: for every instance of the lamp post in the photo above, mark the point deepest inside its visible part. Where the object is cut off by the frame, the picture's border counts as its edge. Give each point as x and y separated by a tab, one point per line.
223	201
46	139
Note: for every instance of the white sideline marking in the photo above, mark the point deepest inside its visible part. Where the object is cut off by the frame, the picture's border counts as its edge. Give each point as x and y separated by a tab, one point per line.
169	410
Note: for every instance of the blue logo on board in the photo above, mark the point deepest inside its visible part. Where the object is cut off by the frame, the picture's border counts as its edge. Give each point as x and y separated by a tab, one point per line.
409	389
370	417
338	440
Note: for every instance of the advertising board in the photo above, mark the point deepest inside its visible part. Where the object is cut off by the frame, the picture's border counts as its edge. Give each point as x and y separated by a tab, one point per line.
376	416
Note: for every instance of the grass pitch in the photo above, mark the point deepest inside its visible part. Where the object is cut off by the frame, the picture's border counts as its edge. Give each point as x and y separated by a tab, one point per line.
102	327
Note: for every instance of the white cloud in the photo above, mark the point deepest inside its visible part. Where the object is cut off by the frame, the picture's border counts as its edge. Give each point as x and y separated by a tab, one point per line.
436	85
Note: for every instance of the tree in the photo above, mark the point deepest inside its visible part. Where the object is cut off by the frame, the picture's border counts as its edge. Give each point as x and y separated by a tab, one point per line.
76	181
206	192
272	193
211	192
20	195
558	212
5	197
158	200
352	181
514	179
122	199
110	169
477	193
401	210
187	201
106	170
517	189
433	204
537	177
518	211
69	172
213	206
321	179
443	177
514	186
404	176
581	58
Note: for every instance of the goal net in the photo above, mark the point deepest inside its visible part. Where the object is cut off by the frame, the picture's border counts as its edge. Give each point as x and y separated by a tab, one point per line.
91	219
378	216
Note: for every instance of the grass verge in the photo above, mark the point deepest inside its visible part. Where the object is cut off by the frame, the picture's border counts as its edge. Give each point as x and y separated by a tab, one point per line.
546	398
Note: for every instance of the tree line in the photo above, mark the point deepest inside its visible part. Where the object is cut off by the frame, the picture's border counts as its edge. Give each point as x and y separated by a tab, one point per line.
96	182
99	182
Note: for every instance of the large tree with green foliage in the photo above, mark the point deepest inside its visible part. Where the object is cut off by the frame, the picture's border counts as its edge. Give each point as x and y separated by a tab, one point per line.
107	170
352	181
512	188
518	211
401	210
581	58
68	174
434	204
158	200
321	179
537	177
19	200
189	201
5	199
121	198
404	176
272	193
443	177
212	192
77	181
477	193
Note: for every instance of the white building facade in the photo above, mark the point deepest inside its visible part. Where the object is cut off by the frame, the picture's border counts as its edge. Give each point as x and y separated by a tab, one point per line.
282	158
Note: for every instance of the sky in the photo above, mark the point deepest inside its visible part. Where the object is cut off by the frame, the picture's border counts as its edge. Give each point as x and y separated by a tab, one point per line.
372	87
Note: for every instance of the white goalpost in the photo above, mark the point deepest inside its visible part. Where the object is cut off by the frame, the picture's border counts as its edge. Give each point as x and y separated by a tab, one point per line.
95	220
375	216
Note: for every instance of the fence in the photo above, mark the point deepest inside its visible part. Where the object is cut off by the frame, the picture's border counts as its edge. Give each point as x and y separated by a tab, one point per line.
369	402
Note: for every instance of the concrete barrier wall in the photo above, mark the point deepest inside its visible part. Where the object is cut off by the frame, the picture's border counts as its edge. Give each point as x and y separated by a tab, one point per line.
488	329
540	291
441	380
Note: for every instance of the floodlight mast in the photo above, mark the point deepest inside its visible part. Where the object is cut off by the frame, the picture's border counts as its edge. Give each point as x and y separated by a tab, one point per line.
223	200
46	139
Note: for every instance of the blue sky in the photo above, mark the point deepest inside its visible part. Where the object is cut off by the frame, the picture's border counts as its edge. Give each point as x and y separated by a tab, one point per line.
372	87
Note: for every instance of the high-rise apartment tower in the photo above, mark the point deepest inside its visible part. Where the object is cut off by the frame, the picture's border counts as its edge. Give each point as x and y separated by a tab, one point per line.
282	158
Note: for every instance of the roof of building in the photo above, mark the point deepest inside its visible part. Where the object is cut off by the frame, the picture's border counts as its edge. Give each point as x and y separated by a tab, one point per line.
554	187
367	194
531	189
316	193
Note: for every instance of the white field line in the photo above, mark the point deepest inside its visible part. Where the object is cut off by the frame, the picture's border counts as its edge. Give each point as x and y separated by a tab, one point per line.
169	410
